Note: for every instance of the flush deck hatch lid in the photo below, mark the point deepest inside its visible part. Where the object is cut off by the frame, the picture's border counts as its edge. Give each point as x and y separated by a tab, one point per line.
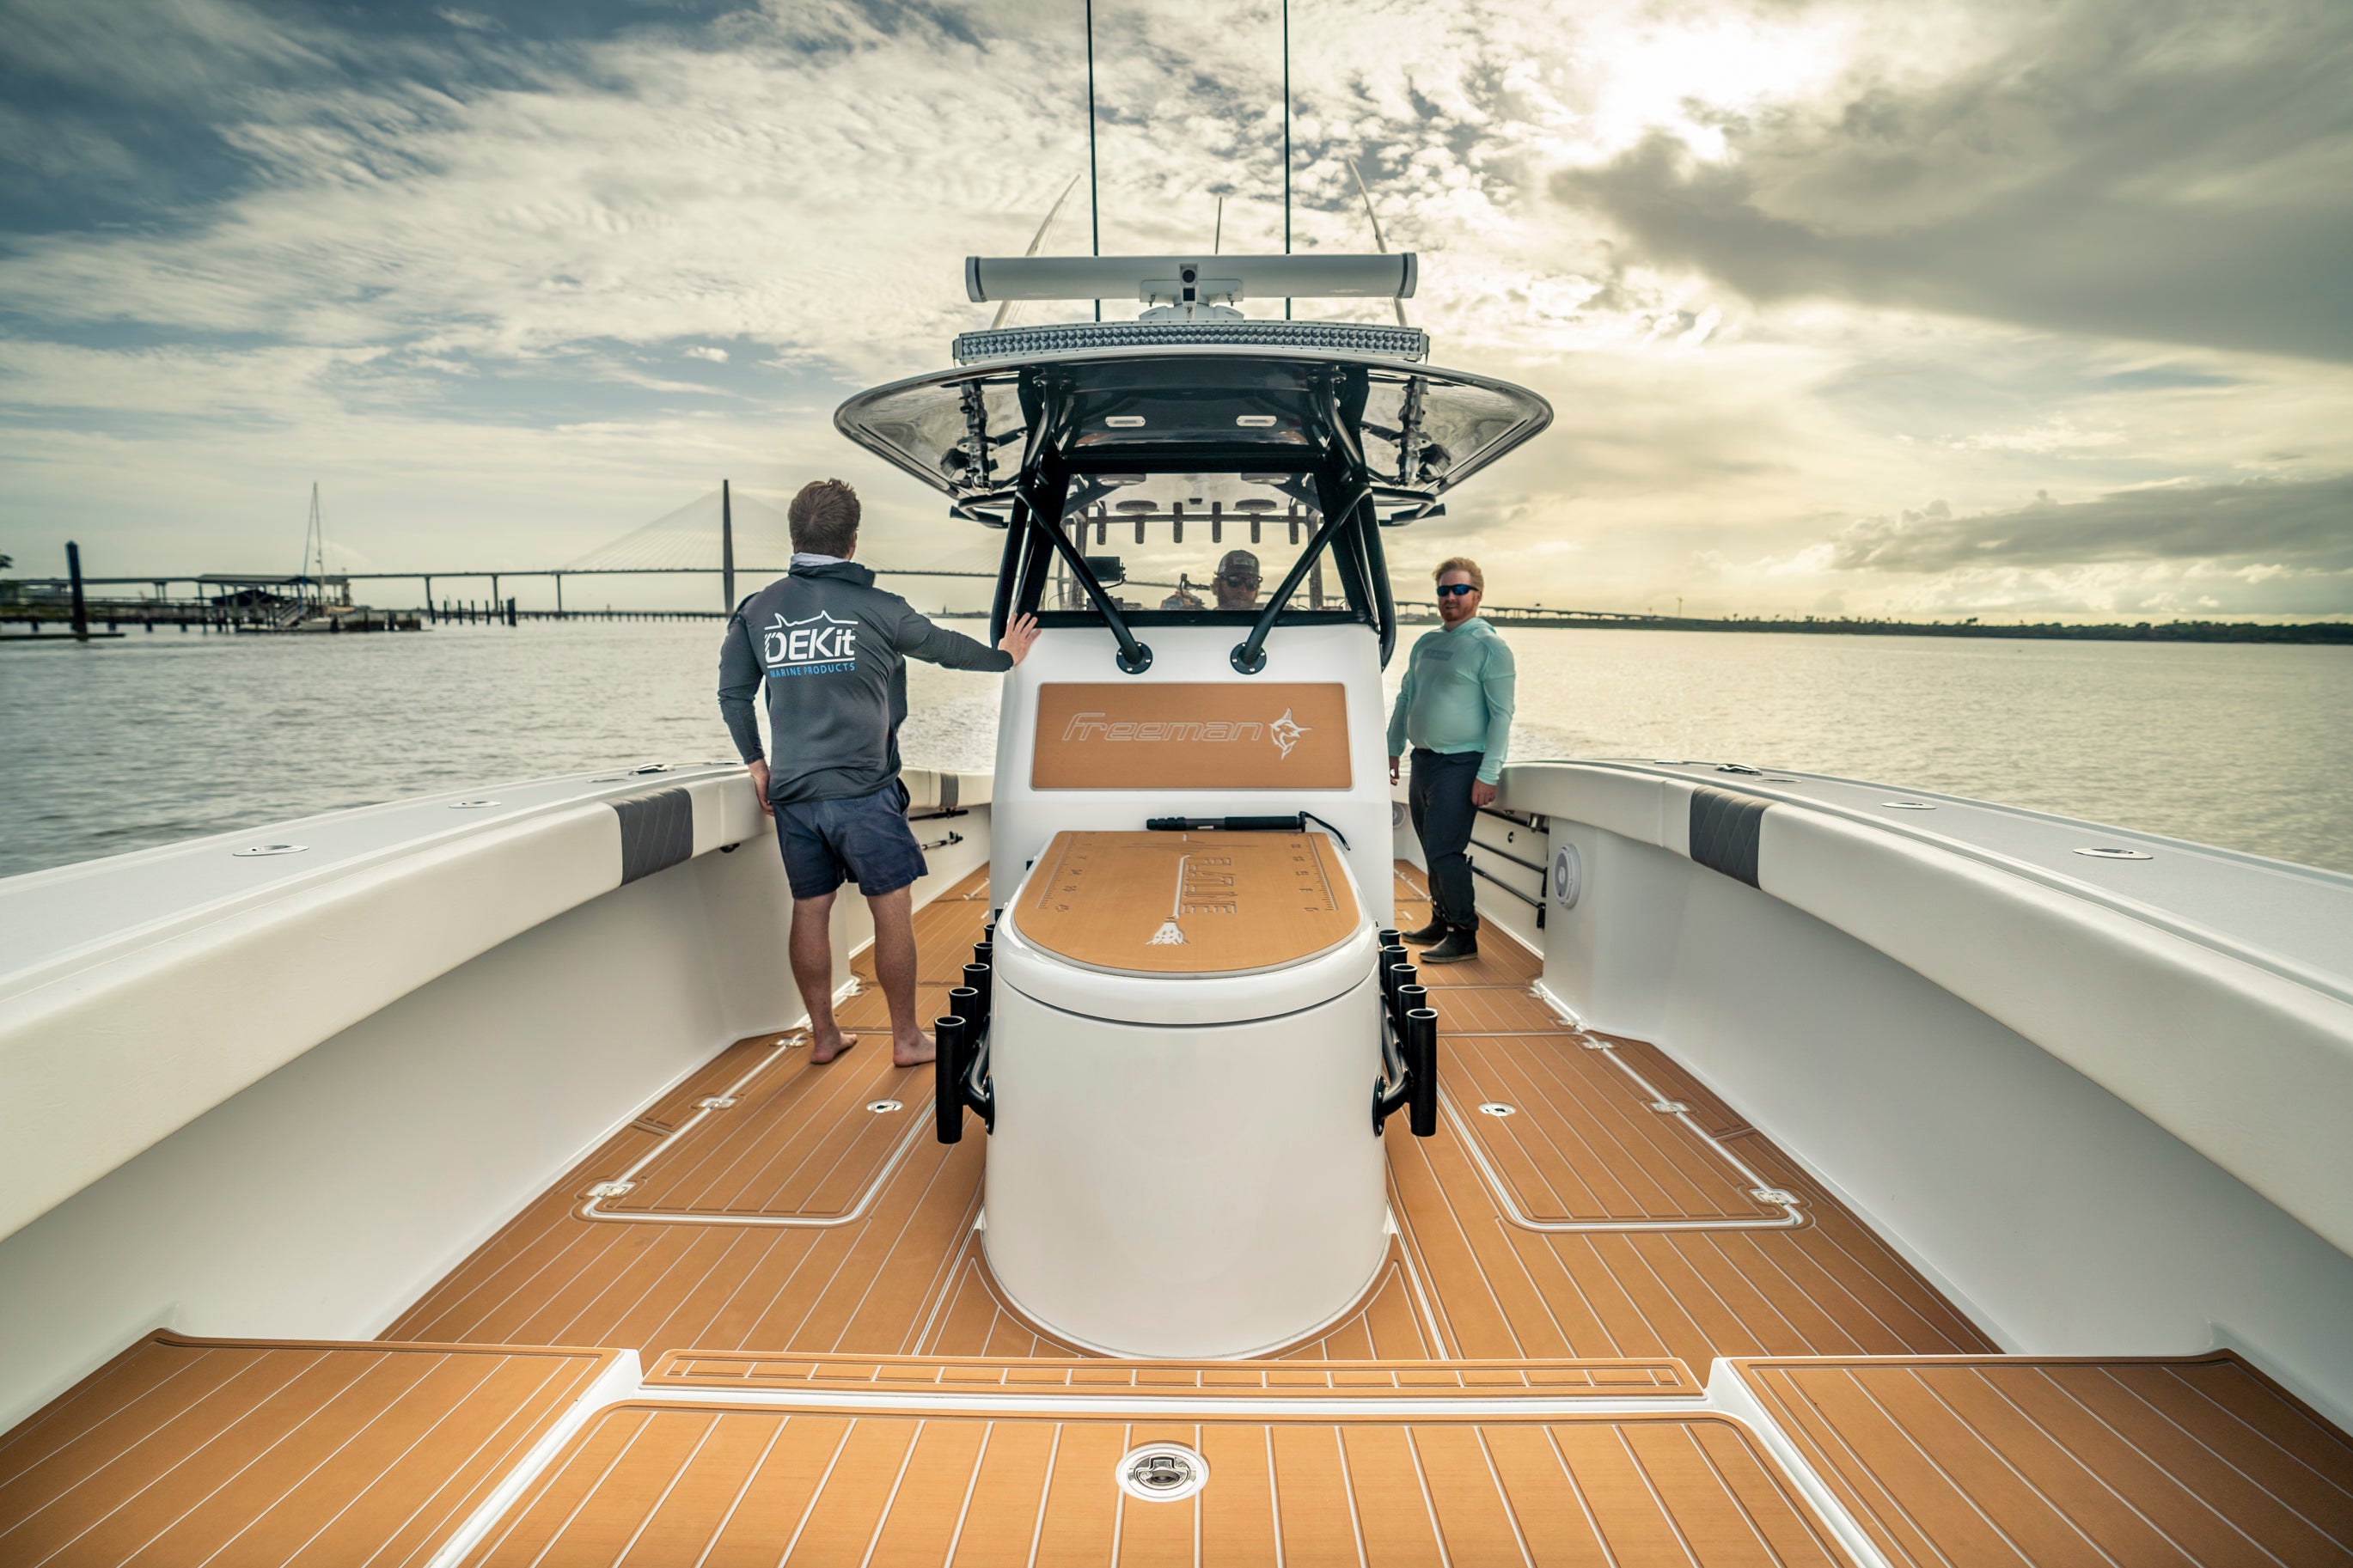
1188	903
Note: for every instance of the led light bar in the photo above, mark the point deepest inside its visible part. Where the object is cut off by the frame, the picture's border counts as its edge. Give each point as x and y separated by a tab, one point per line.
1314	337
994	278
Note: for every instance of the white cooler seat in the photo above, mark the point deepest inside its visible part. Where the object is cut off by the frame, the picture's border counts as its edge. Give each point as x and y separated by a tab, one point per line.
1183	1042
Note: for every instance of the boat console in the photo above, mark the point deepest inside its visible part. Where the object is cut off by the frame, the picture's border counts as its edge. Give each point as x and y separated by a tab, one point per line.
1186	1042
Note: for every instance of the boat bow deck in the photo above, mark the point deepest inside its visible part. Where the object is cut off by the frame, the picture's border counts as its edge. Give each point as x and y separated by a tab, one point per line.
833	1375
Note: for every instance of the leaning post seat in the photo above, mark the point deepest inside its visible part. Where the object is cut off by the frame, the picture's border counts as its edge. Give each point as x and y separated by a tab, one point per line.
1186	1029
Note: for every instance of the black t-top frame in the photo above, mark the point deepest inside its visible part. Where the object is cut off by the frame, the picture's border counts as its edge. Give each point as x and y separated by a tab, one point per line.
1052	460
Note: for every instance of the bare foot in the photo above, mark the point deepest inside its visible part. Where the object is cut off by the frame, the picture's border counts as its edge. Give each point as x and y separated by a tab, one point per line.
827	1043
916	1052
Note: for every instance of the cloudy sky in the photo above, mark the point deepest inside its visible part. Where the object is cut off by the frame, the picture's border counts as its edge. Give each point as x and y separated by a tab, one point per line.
2040	309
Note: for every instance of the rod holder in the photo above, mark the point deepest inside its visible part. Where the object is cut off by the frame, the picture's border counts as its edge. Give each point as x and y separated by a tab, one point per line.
1415	1084
1422	1071
1392	956
1398	974
948	1095
975	980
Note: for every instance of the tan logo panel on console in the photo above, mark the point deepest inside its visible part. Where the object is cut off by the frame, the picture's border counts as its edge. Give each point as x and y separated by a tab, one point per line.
1188	903
1191	735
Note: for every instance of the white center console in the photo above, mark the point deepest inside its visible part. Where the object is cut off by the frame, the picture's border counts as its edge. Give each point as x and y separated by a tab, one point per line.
1184	1035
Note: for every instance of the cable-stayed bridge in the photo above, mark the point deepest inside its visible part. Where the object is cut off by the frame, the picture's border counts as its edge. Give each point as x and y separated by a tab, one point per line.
724	533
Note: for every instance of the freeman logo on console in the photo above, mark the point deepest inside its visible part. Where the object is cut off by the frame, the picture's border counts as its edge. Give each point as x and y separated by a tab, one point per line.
1094	726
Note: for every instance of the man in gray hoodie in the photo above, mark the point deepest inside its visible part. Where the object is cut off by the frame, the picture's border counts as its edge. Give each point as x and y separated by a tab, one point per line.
832	648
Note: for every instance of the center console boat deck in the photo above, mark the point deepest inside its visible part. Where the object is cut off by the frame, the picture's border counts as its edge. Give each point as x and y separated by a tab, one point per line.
1805	1170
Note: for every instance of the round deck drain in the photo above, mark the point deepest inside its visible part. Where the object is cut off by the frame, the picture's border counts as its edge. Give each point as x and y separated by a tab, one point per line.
1163	1472
2105	854
880	1106
1496	1108
257	849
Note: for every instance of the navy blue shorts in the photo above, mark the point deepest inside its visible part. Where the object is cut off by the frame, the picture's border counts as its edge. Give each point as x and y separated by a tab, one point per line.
864	839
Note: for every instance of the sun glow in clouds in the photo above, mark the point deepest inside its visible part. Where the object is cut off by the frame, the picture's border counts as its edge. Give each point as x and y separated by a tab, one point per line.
510	282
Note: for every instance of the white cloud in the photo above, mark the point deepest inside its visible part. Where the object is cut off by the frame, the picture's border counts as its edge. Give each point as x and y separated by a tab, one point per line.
461	271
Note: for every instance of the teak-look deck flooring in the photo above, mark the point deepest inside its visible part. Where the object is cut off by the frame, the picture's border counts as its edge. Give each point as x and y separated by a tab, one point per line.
182	1451
2002	1461
831	1375
1707	1269
721	1485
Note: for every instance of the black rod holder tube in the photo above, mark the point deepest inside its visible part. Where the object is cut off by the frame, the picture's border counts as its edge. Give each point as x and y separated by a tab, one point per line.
947	1092
1406	996
964	1003
983	951
975	976
1422	1071
1398	974
1389	938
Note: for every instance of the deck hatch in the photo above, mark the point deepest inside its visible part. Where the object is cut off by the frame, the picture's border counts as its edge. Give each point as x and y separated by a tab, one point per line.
1188	903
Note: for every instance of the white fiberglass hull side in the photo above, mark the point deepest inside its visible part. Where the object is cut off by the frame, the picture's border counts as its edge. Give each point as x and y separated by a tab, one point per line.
2099	1127
320	1199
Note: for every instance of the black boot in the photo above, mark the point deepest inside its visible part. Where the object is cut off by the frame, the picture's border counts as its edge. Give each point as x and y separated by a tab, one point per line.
1459	945
1434	931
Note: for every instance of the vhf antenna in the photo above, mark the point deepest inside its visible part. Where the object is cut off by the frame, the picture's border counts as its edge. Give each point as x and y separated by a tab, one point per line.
1286	142
1094	190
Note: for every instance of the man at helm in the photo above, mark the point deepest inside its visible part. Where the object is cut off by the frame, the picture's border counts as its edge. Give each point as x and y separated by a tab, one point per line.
1235	585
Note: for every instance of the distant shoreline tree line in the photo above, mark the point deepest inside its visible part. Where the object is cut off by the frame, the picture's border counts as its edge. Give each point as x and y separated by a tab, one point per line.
2332	632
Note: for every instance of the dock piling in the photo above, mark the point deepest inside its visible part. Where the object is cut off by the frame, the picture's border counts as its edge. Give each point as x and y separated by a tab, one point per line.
80	606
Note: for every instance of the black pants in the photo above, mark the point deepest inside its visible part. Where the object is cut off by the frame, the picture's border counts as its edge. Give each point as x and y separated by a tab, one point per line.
1438	795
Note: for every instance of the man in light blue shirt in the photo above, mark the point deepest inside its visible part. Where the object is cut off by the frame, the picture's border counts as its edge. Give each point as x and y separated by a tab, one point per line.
1455	709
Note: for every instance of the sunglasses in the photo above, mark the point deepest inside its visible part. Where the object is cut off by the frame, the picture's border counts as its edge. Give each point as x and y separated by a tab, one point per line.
1238	580
1448	590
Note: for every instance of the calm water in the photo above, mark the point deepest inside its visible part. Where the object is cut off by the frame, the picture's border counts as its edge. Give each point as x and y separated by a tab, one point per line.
116	747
